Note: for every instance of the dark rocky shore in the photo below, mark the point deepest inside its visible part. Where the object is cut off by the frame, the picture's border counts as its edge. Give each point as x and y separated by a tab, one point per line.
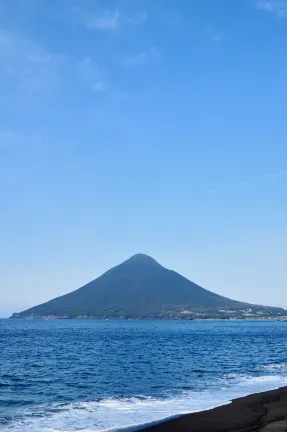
259	412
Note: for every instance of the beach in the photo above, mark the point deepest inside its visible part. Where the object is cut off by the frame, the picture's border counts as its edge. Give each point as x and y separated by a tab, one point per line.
258	412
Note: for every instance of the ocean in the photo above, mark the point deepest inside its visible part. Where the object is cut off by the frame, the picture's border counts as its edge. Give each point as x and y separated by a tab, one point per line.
62	375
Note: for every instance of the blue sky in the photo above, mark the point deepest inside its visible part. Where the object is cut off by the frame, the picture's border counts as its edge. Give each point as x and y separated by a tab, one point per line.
143	126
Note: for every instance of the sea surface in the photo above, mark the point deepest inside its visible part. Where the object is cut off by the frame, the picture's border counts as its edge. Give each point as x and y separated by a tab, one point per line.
62	375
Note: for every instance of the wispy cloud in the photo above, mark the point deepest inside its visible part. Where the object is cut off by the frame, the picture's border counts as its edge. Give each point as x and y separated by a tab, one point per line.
142	57
273	175
10	135
137	18
27	64
10	138
108	19
92	74
265	177
277	7
137	59
100	86
213	34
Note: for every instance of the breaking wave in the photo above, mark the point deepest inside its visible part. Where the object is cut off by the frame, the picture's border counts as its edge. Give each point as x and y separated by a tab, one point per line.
115	413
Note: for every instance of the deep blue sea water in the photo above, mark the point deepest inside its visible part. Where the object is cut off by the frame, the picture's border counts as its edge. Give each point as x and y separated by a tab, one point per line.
103	375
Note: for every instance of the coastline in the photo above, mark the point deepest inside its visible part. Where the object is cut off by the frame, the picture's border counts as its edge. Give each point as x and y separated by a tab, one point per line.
152	318
265	412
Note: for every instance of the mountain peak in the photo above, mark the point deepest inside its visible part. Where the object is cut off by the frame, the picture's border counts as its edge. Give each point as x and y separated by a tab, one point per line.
142	261
142	258
141	288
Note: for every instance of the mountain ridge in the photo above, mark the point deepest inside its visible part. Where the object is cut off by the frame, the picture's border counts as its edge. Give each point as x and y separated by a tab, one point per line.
141	288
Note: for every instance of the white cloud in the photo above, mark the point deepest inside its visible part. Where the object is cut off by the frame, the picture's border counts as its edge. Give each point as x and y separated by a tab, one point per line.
263	178
100	86
137	59
10	135
276	174
142	57
278	7
108	19
10	138
138	18
28	65
213	34
92	74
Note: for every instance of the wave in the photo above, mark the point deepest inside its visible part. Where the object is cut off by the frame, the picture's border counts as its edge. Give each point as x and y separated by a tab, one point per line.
115	413
282	367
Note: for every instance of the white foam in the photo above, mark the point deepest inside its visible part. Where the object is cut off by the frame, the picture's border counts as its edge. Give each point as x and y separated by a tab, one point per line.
111	414
282	367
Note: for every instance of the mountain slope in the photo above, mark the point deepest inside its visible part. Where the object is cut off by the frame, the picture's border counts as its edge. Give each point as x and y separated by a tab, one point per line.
140	288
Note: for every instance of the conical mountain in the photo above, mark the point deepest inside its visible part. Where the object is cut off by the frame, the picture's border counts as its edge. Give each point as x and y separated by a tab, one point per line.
141	288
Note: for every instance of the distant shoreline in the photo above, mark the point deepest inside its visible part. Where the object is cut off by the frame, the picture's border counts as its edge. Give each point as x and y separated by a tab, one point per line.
266	412
50	318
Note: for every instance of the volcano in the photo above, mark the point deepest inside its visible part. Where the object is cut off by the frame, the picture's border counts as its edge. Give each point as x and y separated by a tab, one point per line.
141	288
